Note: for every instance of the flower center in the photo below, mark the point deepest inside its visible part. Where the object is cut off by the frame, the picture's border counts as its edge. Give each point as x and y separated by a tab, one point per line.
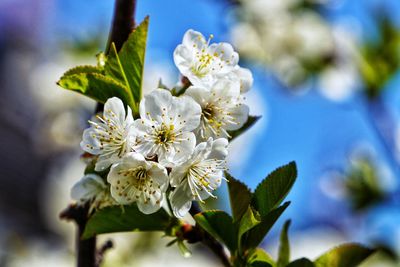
138	176
165	134
209	111
206	61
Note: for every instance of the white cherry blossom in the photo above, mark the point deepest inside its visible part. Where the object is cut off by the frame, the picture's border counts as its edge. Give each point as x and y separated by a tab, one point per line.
201	174
201	62
164	129
111	136
92	188
134	179
222	108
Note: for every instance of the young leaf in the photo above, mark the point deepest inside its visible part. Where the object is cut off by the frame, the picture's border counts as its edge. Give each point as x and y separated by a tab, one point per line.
270	193
127	64
250	122
257	234
115	219
260	255
284	247
96	86
239	196
347	255
259	264
249	220
219	225
303	262
83	69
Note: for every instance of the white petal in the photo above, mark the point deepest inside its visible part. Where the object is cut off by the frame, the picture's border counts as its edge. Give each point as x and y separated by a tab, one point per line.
155	104
151	206
186	113
129	117
159	174
181	201
200	94
226	89
134	159
114	106
183	58
202	150
90	143
88	187
227	54
241	113
141	127
245	77
179	152
105	161
120	198
219	149
178	174
192	37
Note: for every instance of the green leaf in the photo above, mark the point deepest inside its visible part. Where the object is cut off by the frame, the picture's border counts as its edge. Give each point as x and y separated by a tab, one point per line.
96	86
250	122
249	220
127	65
256	235
303	262
347	255
239	196
259	255
83	69
284	247
270	193
219	225
259	264
129	218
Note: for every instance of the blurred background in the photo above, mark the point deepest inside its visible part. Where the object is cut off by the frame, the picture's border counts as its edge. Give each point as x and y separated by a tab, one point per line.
326	84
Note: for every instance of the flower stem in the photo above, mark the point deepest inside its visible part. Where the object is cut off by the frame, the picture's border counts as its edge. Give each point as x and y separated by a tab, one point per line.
209	241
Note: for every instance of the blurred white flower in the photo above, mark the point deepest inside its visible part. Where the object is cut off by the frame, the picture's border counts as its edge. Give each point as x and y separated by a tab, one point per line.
136	180
164	129
291	43
341	80
222	109
201	62
201	174
338	83
111	137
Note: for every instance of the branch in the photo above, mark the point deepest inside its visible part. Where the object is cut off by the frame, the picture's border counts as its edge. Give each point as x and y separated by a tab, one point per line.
86	249
122	26
209	241
123	23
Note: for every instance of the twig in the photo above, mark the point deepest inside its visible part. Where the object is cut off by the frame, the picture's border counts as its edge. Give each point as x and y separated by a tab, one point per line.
86	249
210	241
101	251
122	26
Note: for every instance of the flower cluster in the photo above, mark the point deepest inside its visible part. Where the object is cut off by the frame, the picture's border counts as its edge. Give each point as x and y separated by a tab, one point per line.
291	40
175	151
